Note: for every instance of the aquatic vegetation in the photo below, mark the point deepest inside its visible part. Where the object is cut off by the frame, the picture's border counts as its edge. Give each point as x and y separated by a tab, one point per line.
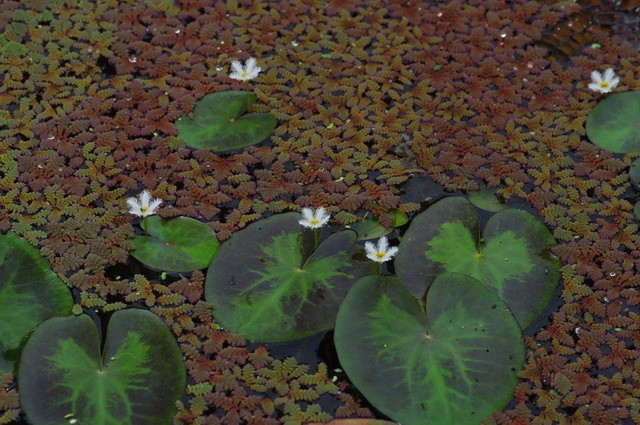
219	122
370	228
511	256
273	282
452	360
367	94
29	293
604	83
178	244
613	123
269	282
135	378
144	204
487	199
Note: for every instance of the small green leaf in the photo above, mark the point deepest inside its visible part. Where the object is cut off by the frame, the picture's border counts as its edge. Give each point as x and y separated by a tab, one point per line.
218	122
512	258
370	228
29	293
614	123
487	199
398	218
454	364
179	244
634	172
136	380
267	282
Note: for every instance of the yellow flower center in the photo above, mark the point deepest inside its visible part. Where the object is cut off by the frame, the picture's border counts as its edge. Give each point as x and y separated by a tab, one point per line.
314	222
244	74
604	85
380	254
143	209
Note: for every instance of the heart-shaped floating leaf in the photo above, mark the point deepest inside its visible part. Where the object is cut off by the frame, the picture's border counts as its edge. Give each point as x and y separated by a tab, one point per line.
218	122
512	258
487	199
179	244
29	293
136	380
614	123
268	284
453	365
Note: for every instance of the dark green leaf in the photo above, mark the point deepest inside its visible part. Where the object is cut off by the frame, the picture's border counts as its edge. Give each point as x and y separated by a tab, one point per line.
487	199
513	258
370	228
455	365
634	172
29	293
268	284
136	380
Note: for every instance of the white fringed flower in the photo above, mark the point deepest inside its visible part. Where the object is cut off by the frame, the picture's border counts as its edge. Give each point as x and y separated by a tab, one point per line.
381	252
314	220
144	204
604	84
249	71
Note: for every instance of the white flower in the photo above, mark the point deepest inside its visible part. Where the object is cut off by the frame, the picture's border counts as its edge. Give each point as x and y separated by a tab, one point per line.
144	204
313	219
245	73
381	252
606	84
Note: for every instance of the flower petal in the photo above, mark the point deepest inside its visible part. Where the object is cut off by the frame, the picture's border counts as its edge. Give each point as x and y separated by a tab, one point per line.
307	213
153	206
145	198
392	252
609	74
595	87
237	67
370	248
250	64
383	243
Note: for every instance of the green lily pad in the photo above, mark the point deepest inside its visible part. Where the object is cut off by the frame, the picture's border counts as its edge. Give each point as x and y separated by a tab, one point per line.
269	284
636	210
614	123
136	380
370	228
179	244
487	199
634	172
456	363
218	122
512	258
29	293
